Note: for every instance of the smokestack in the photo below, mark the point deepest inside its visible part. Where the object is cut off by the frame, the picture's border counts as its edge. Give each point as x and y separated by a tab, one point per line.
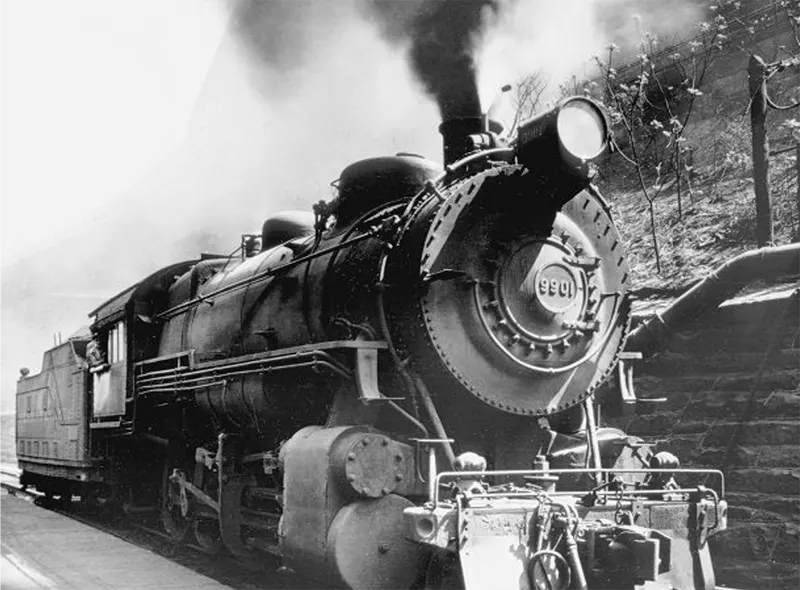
457	137
464	135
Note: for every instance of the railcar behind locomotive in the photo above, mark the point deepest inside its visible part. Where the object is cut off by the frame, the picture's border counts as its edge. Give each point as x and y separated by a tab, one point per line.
395	391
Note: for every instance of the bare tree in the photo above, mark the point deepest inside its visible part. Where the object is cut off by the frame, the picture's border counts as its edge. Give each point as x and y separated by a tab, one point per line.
691	70
625	102
651	105
527	96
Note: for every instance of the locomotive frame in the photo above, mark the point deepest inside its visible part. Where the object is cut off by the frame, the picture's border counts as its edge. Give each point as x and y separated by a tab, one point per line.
299	400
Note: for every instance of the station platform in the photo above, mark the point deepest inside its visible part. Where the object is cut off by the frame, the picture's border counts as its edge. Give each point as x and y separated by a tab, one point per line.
43	549
9	468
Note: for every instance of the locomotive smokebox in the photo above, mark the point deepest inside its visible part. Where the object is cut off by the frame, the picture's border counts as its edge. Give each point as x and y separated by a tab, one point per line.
465	135
524	282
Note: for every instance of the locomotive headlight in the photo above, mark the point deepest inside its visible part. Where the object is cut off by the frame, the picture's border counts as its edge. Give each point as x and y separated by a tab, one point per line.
581	129
564	140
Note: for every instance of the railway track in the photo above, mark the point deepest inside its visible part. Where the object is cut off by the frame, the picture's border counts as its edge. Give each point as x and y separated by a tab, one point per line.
222	567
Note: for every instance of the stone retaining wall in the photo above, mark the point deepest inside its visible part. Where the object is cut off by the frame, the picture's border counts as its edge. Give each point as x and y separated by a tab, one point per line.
732	383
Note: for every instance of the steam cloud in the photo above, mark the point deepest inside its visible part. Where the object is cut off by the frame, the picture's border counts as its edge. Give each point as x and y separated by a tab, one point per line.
626	21
444	40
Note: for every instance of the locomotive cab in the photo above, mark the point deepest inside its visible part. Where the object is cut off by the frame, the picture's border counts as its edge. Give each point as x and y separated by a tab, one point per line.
109	371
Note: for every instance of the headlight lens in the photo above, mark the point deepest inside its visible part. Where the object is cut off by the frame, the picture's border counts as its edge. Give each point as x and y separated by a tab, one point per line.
581	129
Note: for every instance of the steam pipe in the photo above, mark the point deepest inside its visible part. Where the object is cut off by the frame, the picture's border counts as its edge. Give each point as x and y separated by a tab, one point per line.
592	445
438	426
261	276
765	263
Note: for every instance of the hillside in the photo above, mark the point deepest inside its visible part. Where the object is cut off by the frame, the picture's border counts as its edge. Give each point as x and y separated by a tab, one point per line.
718	225
717	220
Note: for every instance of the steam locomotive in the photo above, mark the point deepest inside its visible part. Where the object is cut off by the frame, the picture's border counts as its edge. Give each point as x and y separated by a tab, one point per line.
396	391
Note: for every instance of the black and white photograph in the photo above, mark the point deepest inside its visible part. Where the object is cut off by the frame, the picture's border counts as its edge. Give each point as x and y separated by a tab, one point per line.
400	294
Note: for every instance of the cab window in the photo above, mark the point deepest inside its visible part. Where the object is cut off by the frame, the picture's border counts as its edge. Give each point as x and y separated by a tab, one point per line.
116	343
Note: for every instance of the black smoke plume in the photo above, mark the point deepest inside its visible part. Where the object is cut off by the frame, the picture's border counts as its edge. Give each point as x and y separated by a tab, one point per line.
444	37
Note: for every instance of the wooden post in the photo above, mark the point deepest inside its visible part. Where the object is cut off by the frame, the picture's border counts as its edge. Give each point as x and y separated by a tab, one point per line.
757	83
